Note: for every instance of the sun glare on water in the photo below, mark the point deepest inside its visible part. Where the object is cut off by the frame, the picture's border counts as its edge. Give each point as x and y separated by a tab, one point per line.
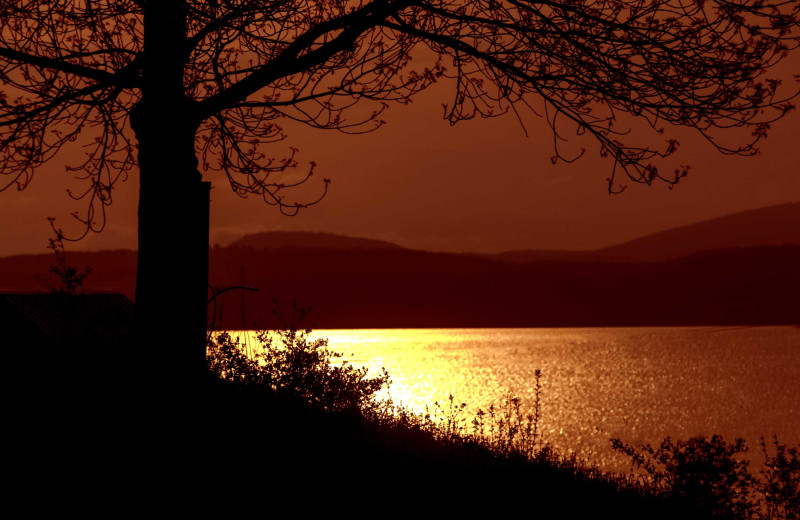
638	384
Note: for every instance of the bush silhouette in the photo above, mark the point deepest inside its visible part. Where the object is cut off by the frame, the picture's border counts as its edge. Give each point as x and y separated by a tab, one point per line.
710	473
288	363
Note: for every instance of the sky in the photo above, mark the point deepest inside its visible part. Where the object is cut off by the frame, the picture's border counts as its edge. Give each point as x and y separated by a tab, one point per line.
481	186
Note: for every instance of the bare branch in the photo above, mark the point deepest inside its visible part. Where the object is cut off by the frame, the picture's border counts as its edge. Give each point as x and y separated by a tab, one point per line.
595	68
117	79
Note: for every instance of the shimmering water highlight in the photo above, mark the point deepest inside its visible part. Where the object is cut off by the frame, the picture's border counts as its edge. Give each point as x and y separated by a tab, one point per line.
639	384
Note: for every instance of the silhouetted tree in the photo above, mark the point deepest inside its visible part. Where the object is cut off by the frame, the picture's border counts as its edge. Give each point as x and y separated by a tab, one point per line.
179	87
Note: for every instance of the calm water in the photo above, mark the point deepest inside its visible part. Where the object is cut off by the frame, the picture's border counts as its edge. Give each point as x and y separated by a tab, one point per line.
639	384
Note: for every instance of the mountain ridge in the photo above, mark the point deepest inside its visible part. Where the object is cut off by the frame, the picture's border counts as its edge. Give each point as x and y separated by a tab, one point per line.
768	226
307	239
385	286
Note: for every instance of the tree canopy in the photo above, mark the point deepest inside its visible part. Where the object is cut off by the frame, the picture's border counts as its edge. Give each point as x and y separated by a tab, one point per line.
180	88
70	69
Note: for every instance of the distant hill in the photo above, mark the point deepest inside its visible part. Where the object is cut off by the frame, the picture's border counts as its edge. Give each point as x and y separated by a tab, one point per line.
395	287
407	288
771	226
112	271
353	282
307	239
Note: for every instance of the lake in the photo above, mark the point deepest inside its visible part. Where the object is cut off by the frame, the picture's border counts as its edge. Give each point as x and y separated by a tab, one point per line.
638	384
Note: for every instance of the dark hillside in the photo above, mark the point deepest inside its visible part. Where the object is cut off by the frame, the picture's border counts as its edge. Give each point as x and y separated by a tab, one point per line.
377	286
112	271
771	226
281	239
419	289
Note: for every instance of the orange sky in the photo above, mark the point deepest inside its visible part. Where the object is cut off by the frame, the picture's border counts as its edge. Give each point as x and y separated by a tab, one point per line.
479	186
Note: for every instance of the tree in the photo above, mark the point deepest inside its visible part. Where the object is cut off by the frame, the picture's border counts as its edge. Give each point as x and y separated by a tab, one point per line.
179	87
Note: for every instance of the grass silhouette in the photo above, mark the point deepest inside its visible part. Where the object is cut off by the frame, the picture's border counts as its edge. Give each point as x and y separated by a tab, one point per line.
327	423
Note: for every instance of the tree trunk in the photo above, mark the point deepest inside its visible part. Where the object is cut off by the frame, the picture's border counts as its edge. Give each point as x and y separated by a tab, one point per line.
172	270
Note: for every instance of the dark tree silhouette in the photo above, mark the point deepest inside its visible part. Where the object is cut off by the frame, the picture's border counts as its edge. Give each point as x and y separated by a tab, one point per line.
179	87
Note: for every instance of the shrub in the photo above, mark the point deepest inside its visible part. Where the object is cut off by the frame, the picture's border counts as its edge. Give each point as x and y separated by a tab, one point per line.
287	362
704	471
227	360
779	485
708	473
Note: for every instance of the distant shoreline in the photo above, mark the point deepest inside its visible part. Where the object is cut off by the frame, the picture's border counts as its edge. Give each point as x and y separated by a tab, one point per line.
701	328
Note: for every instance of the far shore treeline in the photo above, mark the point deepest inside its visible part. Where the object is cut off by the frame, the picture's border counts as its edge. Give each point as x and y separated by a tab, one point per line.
359	283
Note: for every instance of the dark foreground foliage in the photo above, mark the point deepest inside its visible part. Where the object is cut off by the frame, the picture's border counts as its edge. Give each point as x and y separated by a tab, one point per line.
711	473
296	430
281	413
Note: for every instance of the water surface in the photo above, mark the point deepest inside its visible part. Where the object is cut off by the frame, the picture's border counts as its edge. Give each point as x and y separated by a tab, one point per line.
638	384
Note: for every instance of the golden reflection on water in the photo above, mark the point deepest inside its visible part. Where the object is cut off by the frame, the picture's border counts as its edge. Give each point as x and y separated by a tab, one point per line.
426	365
639	384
